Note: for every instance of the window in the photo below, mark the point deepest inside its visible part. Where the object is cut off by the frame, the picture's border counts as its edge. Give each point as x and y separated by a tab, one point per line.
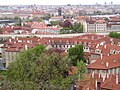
116	52
98	51
110	71
112	51
119	69
75	42
118	43
67	42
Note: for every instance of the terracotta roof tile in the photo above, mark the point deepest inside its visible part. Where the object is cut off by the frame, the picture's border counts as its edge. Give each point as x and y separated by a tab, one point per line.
112	60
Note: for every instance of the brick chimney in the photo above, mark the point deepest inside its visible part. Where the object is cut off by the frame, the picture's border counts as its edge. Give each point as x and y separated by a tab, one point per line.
26	47
10	40
101	56
116	79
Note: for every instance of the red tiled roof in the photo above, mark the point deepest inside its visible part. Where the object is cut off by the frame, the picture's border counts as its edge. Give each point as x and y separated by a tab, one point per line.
12	50
112	60
90	82
105	49
56	17
34	13
110	83
100	21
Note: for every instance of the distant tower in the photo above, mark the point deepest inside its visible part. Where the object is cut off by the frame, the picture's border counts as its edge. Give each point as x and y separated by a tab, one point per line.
111	3
59	12
105	3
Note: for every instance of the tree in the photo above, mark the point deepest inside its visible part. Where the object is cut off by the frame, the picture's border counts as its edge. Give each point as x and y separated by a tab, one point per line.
19	21
67	23
46	17
51	72
76	54
65	30
39	20
77	27
81	69
71	28
16	18
114	35
54	23
35	71
18	75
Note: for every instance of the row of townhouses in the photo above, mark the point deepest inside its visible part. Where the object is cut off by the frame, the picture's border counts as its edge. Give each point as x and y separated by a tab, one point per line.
95	46
100	24
101	53
90	24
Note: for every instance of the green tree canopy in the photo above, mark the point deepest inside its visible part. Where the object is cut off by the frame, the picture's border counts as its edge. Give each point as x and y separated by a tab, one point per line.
39	20
19	72
114	35
54	23
72	28
65	30
76	54
77	27
51	72
35	71
46	17
81	69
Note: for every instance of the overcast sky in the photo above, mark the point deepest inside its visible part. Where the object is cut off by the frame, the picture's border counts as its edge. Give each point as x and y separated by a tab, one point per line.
55	2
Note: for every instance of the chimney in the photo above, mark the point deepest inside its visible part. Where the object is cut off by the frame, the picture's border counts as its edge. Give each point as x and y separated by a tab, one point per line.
17	38
116	79
104	76
101	56
96	84
12	27
93	74
99	75
105	46
107	75
26	47
10	40
22	24
107	64
97	46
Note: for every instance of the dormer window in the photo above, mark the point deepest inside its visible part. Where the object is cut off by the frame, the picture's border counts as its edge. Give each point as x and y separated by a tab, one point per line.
118	43
114	61
75	42
112	51
112	43
98	51
116	52
85	43
52	41
80	42
60	42
67	42
89	44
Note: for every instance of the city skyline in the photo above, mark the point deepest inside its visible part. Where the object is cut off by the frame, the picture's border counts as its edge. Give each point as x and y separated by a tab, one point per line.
56	2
